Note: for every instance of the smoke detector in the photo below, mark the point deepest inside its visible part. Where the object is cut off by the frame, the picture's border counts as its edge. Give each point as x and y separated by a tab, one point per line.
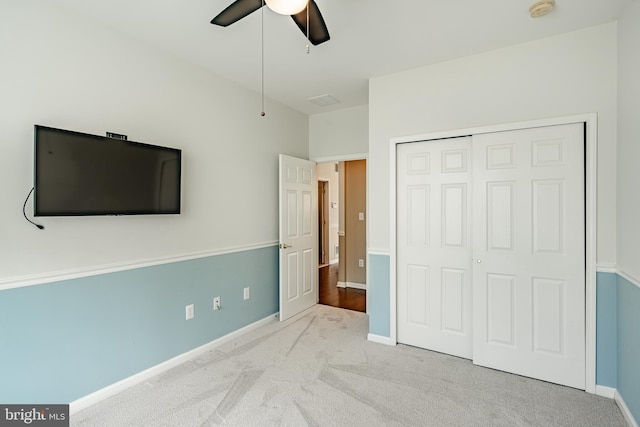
541	8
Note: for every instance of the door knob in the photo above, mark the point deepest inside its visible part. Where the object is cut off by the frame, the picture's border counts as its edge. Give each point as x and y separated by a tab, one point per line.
285	246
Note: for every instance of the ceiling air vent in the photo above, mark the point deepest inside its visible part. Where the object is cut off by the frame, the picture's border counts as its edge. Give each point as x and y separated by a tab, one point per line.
323	100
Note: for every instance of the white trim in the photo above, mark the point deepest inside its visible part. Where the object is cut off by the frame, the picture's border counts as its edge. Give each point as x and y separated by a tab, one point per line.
341	158
591	139
354	285
120	386
393	224
380	339
606	268
628	416
627	276
604	391
591	234
380	252
56	276
616	269
455	133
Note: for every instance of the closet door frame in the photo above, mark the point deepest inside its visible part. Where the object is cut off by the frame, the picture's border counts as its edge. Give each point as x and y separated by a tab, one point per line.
591	134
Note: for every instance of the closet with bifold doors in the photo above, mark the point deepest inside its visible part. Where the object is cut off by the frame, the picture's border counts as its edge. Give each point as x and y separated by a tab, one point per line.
490	249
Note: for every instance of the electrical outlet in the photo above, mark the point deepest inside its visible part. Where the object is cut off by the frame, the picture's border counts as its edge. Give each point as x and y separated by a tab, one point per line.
190	312
360	263
246	293
216	303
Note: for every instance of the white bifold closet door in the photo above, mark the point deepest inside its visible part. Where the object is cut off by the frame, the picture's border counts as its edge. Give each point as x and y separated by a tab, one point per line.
512	209
529	247
433	245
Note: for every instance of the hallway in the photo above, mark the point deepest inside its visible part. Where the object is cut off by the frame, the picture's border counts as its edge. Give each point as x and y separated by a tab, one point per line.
331	294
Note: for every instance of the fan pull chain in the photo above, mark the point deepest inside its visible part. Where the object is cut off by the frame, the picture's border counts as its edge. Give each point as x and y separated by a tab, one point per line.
262	113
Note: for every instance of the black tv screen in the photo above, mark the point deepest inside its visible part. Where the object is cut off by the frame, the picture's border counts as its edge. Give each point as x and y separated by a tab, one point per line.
82	174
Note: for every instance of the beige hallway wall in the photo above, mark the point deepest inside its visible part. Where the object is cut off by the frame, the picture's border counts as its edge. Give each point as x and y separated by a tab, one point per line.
355	202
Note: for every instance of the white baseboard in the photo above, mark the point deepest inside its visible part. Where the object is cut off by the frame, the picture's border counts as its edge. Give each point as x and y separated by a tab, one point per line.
380	339
604	391
120	386
353	285
628	416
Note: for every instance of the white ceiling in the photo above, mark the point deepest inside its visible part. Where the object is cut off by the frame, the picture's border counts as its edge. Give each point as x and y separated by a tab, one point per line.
368	38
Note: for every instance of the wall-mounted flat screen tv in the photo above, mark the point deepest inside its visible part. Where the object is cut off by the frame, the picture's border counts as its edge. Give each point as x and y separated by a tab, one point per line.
82	174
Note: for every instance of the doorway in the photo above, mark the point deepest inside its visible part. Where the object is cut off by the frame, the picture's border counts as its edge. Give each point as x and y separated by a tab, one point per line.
342	234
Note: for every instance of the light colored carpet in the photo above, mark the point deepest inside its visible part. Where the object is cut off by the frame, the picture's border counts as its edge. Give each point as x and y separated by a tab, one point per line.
319	370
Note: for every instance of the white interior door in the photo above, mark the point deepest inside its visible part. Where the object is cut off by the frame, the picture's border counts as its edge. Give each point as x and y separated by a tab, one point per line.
298	235
529	247
433	245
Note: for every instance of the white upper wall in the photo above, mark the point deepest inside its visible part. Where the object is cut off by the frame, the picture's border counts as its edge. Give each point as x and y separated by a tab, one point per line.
339	135
559	76
62	70
629	141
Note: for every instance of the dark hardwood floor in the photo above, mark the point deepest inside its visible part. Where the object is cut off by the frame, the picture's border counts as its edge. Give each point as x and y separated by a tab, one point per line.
330	294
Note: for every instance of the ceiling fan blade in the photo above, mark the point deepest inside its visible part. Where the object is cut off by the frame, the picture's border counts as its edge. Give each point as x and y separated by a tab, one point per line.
236	11
318	32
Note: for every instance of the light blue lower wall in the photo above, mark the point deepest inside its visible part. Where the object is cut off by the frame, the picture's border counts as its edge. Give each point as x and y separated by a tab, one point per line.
606	329
378	296
61	341
628	379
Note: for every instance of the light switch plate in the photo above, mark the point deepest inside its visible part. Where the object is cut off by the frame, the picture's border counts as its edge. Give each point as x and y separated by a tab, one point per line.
189	312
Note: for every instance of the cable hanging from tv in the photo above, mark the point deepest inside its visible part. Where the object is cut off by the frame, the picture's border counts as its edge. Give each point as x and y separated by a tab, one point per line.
24	212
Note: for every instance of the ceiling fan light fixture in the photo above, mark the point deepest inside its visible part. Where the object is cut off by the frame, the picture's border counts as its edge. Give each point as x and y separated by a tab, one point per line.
287	7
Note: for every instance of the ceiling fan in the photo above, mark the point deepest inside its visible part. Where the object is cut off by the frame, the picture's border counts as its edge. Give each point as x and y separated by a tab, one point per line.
317	31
